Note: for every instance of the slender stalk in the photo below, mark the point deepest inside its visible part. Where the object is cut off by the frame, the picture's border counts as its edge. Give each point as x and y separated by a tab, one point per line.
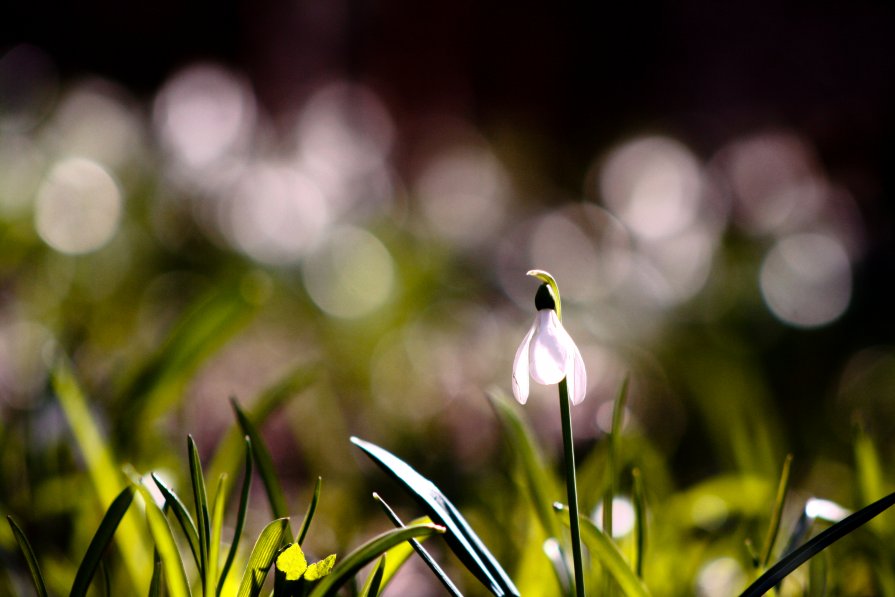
571	485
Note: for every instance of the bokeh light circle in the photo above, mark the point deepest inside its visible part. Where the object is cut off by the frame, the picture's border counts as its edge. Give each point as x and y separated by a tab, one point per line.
351	275
78	207
806	279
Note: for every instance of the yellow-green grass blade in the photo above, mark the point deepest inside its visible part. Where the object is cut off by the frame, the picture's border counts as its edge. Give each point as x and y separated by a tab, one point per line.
217	525
374	582
101	540
540	485
776	512
309	515
40	586
240	514
612	470
183	517
366	553
607	553
172	565
272	537
101	468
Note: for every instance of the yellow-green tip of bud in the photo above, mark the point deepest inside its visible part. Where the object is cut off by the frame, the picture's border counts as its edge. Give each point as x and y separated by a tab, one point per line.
550	281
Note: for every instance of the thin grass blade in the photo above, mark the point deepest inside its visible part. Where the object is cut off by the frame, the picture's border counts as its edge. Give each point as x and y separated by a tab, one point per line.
608	554
366	553
374	582
217	525
612	470
420	550
172	565
36	576
155	584
104	473
460	537
270	540
183	517
100	542
776	513
264	463
639	522
790	562
229	451
309	515
200	499
240	514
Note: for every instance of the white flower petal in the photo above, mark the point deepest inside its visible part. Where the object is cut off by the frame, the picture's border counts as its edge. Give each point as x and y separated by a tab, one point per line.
577	376
549	350
520	367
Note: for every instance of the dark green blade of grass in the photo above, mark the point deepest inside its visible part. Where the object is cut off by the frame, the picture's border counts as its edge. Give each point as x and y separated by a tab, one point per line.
460	537
183	517
107	582
206	326
374	582
262	557
789	563
366	553
776	513
100	542
36	576
309	515
639	522
264	463
229	450
200	499
440	574
155	584
240	514
618	410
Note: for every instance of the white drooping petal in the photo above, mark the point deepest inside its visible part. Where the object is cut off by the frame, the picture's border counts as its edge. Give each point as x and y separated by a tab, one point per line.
549	352
576	375
520	367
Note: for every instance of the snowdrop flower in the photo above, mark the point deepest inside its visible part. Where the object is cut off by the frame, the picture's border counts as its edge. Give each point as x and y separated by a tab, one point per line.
547	353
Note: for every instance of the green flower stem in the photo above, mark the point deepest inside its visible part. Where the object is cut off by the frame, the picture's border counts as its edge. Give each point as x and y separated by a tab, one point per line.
571	485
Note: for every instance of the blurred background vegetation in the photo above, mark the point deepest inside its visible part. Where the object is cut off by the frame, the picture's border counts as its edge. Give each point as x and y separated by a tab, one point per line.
330	208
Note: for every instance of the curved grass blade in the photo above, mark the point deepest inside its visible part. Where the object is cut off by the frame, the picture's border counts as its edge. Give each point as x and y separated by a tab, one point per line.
155	585
262	557
366	553
264	462
374	582
539	483
101	540
183	517
309	515
164	542
790	562
776	513
105	474
240	515
217	525
459	536
607	552
200	499
420	550
36	576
